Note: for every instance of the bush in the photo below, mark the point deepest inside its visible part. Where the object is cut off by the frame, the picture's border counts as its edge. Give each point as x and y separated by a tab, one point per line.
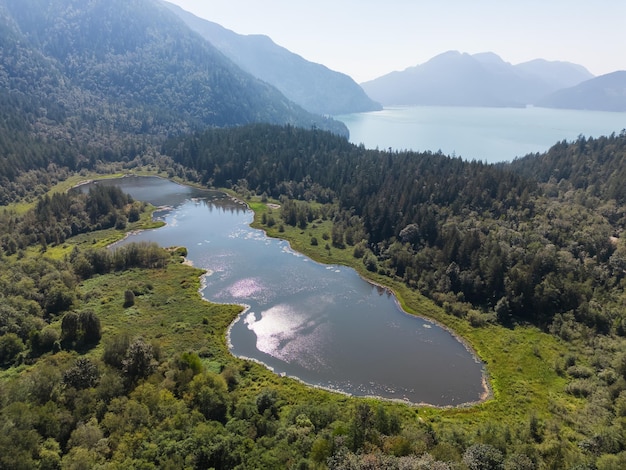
43	341
359	251
90	330
10	346
115	350
84	374
129	298
370	262
580	372
483	457
139	361
581	388
208	393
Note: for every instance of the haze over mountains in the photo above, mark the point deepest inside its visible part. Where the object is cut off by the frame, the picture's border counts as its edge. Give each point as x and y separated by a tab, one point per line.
107	73
460	79
606	92
313	86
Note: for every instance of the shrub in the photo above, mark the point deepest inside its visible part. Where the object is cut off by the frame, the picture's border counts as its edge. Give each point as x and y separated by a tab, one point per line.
139	361
10	346
115	350
581	388
580	372
84	374
129	298
483	457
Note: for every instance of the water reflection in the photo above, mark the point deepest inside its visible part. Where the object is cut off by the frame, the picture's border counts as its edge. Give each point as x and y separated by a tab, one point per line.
322	324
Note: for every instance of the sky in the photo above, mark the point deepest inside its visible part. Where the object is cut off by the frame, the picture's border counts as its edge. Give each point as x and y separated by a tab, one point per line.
367	39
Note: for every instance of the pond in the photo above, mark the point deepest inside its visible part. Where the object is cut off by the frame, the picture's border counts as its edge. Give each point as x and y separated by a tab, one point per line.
321	324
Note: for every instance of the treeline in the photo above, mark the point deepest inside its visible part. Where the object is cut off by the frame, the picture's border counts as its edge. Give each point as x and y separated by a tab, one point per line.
62	215
596	166
387	189
468	234
35	291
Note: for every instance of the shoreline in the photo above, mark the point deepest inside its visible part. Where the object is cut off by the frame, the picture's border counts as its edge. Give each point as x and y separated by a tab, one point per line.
485	395
487	390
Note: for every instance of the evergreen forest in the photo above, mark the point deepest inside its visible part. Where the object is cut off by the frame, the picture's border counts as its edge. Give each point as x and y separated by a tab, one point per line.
109	357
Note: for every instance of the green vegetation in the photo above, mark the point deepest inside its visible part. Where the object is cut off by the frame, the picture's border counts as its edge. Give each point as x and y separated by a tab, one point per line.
86	84
112	358
525	268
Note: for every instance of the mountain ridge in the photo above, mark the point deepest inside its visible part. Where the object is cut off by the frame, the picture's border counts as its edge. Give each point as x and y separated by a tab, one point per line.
313	86
135	66
461	79
606	92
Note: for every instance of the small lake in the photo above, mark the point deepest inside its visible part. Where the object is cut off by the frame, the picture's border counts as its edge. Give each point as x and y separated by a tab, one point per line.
487	134
319	323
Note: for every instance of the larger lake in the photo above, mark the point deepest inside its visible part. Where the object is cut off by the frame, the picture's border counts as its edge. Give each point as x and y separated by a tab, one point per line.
487	134
321	324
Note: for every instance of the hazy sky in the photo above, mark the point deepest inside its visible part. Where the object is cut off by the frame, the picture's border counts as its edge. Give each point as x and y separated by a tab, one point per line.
370	38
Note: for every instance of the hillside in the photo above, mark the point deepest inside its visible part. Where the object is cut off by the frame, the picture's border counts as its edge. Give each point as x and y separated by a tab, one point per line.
596	165
604	93
312	86
130	68
461	79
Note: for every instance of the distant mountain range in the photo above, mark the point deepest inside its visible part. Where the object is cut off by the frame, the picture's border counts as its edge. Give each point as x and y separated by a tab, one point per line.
460	79
312	86
606	93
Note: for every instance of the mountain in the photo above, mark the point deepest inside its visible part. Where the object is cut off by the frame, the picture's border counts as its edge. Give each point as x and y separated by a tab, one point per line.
130	67
603	93
461	79
313	86
557	74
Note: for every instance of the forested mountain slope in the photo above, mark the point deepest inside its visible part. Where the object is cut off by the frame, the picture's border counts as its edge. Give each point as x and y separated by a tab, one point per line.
105	77
594	165
312	86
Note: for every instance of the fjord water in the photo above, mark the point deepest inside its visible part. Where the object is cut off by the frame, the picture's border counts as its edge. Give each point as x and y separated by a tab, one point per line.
486	134
322	324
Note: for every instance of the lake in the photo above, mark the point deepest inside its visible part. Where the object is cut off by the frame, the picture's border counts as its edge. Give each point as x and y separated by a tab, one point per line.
319	323
487	134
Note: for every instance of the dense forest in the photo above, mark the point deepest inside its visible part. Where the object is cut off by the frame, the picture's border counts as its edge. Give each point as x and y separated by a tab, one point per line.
496	247
81	82
467	234
109	358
